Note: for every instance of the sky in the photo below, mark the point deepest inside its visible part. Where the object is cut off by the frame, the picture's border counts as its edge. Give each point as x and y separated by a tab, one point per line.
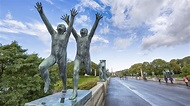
130	32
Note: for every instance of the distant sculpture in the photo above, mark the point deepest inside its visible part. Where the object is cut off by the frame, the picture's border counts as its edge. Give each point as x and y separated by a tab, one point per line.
102	70
107	73
144	75
58	48
83	51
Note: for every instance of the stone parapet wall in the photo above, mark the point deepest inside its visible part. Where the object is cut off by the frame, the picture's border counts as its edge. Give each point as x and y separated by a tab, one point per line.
93	97
98	94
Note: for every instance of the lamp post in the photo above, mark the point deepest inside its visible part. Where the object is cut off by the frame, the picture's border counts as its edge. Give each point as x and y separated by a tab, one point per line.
94	72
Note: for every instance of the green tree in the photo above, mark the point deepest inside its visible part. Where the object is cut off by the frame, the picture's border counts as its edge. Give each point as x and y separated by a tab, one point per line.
134	69
19	79
147	67
95	68
70	66
184	65
173	64
186	69
158	65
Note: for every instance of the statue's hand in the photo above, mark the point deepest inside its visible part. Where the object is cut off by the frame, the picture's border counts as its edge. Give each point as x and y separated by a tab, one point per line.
98	16
39	7
65	18
74	12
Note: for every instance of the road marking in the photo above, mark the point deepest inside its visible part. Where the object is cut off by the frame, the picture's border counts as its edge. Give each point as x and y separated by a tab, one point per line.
136	92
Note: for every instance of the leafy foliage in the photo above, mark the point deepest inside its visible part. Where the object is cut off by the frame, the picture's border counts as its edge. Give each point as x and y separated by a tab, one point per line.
175	66
20	81
84	83
87	85
159	66
70	66
134	69
178	66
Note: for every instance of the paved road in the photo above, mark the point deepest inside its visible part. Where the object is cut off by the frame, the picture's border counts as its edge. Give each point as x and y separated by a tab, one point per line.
134	92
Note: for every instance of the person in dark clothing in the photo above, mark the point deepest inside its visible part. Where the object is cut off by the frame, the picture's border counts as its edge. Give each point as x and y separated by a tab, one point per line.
171	79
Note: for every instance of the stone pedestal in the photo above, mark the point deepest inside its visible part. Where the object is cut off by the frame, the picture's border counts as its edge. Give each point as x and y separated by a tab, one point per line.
59	99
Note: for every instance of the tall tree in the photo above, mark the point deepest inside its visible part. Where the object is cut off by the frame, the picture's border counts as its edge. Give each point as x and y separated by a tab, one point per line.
147	67
134	69
159	65
20	81
173	64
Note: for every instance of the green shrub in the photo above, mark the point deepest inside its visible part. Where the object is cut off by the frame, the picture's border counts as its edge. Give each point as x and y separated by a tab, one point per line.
83	79
188	76
87	85
59	86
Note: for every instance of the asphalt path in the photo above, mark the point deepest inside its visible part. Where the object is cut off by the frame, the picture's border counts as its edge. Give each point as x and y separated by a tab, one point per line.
134	92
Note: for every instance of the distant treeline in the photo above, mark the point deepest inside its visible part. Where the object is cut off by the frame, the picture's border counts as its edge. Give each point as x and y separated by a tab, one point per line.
181	67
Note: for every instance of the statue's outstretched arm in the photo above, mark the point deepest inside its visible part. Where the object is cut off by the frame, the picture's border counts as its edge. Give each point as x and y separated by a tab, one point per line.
98	17
70	26
44	18
66	19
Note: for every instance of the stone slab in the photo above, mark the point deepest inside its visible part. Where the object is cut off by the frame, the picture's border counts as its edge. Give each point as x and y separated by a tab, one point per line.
58	98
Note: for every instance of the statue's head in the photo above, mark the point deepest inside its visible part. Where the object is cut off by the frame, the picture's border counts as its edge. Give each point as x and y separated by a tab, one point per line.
103	63
83	32
61	28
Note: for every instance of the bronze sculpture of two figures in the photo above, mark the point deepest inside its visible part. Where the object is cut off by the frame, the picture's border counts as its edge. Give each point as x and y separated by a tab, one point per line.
59	43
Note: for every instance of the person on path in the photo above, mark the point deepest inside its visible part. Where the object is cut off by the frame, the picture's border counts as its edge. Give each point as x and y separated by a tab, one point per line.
185	79
171	80
159	80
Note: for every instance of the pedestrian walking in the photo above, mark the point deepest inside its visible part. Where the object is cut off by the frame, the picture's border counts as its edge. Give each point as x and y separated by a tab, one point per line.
166	79
159	79
185	79
171	80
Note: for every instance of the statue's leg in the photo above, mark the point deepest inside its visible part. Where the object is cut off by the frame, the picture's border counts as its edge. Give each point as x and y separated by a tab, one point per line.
43	69
88	66
62	63
77	63
101	74
104	74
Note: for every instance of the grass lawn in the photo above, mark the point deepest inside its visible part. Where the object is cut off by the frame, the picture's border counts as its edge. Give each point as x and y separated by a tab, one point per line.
179	78
85	82
83	79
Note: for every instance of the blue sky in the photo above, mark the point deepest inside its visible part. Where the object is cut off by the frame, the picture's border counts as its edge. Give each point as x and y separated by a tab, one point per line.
131	31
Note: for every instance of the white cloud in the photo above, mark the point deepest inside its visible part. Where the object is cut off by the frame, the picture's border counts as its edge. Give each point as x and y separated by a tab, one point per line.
121	43
88	3
34	28
82	19
97	38
49	1
8	15
168	20
97	48
170	29
132	13
104	30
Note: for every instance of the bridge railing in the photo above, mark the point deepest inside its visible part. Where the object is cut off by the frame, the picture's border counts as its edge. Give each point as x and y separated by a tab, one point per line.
98	94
